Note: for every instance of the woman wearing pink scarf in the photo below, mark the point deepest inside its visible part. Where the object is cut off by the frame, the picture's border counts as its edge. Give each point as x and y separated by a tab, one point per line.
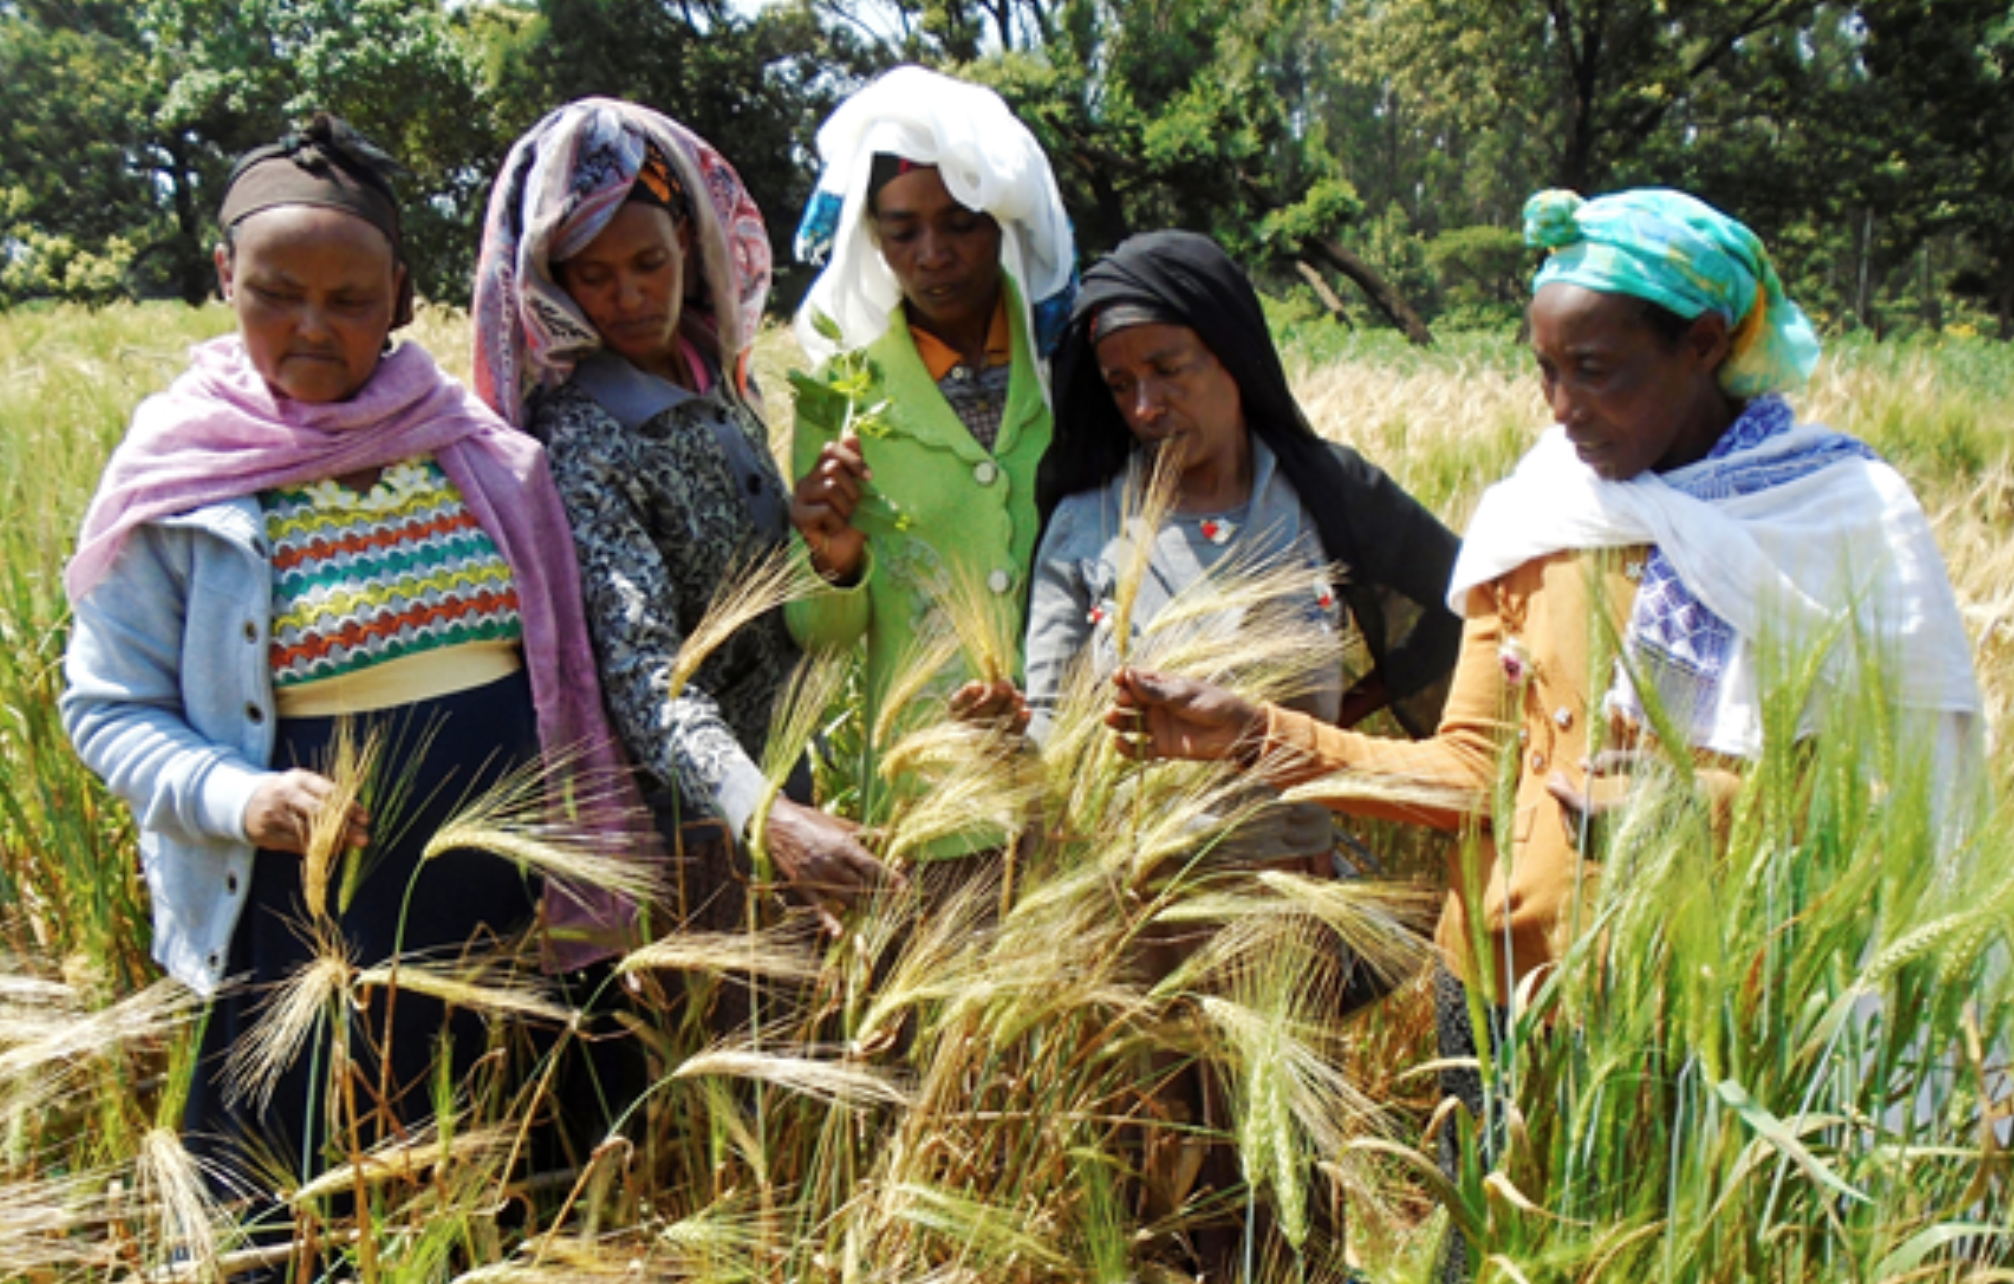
308	531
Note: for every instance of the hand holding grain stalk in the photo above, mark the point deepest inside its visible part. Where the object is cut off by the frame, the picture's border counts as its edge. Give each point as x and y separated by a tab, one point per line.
826	498
1161	716
283	811
822	506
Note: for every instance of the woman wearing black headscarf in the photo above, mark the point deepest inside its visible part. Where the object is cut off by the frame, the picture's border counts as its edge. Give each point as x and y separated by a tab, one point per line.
1167	343
1167	351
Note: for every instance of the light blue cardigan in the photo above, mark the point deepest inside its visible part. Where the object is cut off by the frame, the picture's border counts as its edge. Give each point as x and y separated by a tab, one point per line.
170	700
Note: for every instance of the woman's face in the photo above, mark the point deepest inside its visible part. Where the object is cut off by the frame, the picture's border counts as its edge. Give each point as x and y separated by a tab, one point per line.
630	280
946	257
1630	398
1170	387
315	290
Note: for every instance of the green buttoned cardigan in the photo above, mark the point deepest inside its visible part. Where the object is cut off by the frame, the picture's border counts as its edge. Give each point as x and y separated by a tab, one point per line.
946	508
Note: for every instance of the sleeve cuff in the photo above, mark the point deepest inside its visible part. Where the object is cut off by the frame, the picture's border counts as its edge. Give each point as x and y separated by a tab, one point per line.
739	793
830	615
1289	734
227	793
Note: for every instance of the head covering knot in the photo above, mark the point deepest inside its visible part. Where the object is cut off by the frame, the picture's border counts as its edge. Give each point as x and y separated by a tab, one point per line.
328	165
1679	252
559	187
989	162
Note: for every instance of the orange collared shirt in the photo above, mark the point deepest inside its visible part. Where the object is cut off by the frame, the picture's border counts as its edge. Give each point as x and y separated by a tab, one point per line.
939	357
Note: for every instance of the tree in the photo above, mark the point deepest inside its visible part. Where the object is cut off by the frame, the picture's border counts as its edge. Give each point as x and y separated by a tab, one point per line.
1198	115
1945	71
240	74
78	211
1593	81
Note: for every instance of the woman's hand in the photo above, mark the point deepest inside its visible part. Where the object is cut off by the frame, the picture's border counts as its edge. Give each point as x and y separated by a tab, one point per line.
998	703
281	815
1158	716
822	861
1607	790
821	508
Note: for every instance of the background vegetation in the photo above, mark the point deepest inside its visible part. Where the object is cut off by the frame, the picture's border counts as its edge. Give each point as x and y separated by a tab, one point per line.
1381	148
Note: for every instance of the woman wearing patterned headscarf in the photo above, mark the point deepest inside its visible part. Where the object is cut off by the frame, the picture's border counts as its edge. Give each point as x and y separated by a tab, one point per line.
623	274
1678	496
950	264
312	530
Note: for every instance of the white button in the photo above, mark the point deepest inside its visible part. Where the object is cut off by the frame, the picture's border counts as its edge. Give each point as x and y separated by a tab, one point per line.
985	472
1564	717
1538	762
1000	581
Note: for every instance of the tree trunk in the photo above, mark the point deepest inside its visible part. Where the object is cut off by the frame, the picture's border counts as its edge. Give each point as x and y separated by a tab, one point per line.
197	279
1380	292
1932	307
1313	276
1863	288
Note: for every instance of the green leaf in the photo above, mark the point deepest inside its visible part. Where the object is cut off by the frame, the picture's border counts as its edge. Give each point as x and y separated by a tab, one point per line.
1779	1135
1925	1242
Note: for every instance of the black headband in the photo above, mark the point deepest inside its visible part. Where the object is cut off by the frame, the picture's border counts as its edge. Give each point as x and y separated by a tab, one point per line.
1114	317
884	169
330	165
657	183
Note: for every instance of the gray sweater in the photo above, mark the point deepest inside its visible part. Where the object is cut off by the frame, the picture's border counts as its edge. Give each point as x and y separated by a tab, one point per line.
1085	550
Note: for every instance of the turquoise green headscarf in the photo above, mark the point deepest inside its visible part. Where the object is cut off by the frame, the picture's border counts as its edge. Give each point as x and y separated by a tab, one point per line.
1677	251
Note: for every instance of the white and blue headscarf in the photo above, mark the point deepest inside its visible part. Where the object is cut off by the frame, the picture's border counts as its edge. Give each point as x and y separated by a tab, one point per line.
989	162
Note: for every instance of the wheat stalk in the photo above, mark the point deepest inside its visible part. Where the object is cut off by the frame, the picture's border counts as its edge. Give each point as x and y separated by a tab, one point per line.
289	1014
517	819
779	954
747	593
826	1080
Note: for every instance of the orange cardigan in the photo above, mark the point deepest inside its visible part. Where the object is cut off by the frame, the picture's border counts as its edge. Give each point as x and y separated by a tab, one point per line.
1548	607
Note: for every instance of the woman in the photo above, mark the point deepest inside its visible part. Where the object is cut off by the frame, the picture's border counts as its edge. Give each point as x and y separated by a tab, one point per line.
951	266
1167	351
310	531
1168	347
1678	497
623	274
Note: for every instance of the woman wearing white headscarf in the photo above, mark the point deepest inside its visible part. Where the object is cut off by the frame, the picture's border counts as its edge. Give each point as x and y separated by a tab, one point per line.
949	262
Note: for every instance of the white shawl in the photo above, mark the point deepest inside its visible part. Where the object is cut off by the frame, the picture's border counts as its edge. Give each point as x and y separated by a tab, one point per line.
1783	563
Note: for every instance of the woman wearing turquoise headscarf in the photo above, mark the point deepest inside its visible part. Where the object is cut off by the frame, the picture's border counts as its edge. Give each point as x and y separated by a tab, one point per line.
1678	495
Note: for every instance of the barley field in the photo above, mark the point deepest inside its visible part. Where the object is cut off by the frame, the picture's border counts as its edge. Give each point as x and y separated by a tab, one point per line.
1784	1059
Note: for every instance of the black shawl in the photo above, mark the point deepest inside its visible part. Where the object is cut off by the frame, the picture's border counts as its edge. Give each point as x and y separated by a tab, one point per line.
1395	556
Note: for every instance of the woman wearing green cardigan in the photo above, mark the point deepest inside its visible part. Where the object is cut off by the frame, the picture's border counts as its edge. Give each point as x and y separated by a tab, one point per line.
949	262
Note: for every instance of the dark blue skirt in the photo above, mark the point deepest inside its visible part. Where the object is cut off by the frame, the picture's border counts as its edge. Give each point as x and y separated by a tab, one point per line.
446	751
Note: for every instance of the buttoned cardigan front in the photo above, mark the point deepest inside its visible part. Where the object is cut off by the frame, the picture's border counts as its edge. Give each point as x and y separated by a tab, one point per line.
939	506
170	700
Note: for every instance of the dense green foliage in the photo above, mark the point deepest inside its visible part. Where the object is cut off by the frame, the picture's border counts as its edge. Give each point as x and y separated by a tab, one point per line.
1391	142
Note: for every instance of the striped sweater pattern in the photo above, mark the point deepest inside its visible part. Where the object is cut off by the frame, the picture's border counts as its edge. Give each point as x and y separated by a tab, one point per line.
360	579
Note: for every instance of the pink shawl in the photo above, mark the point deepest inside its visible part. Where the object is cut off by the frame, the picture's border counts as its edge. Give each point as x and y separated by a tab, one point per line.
219	433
